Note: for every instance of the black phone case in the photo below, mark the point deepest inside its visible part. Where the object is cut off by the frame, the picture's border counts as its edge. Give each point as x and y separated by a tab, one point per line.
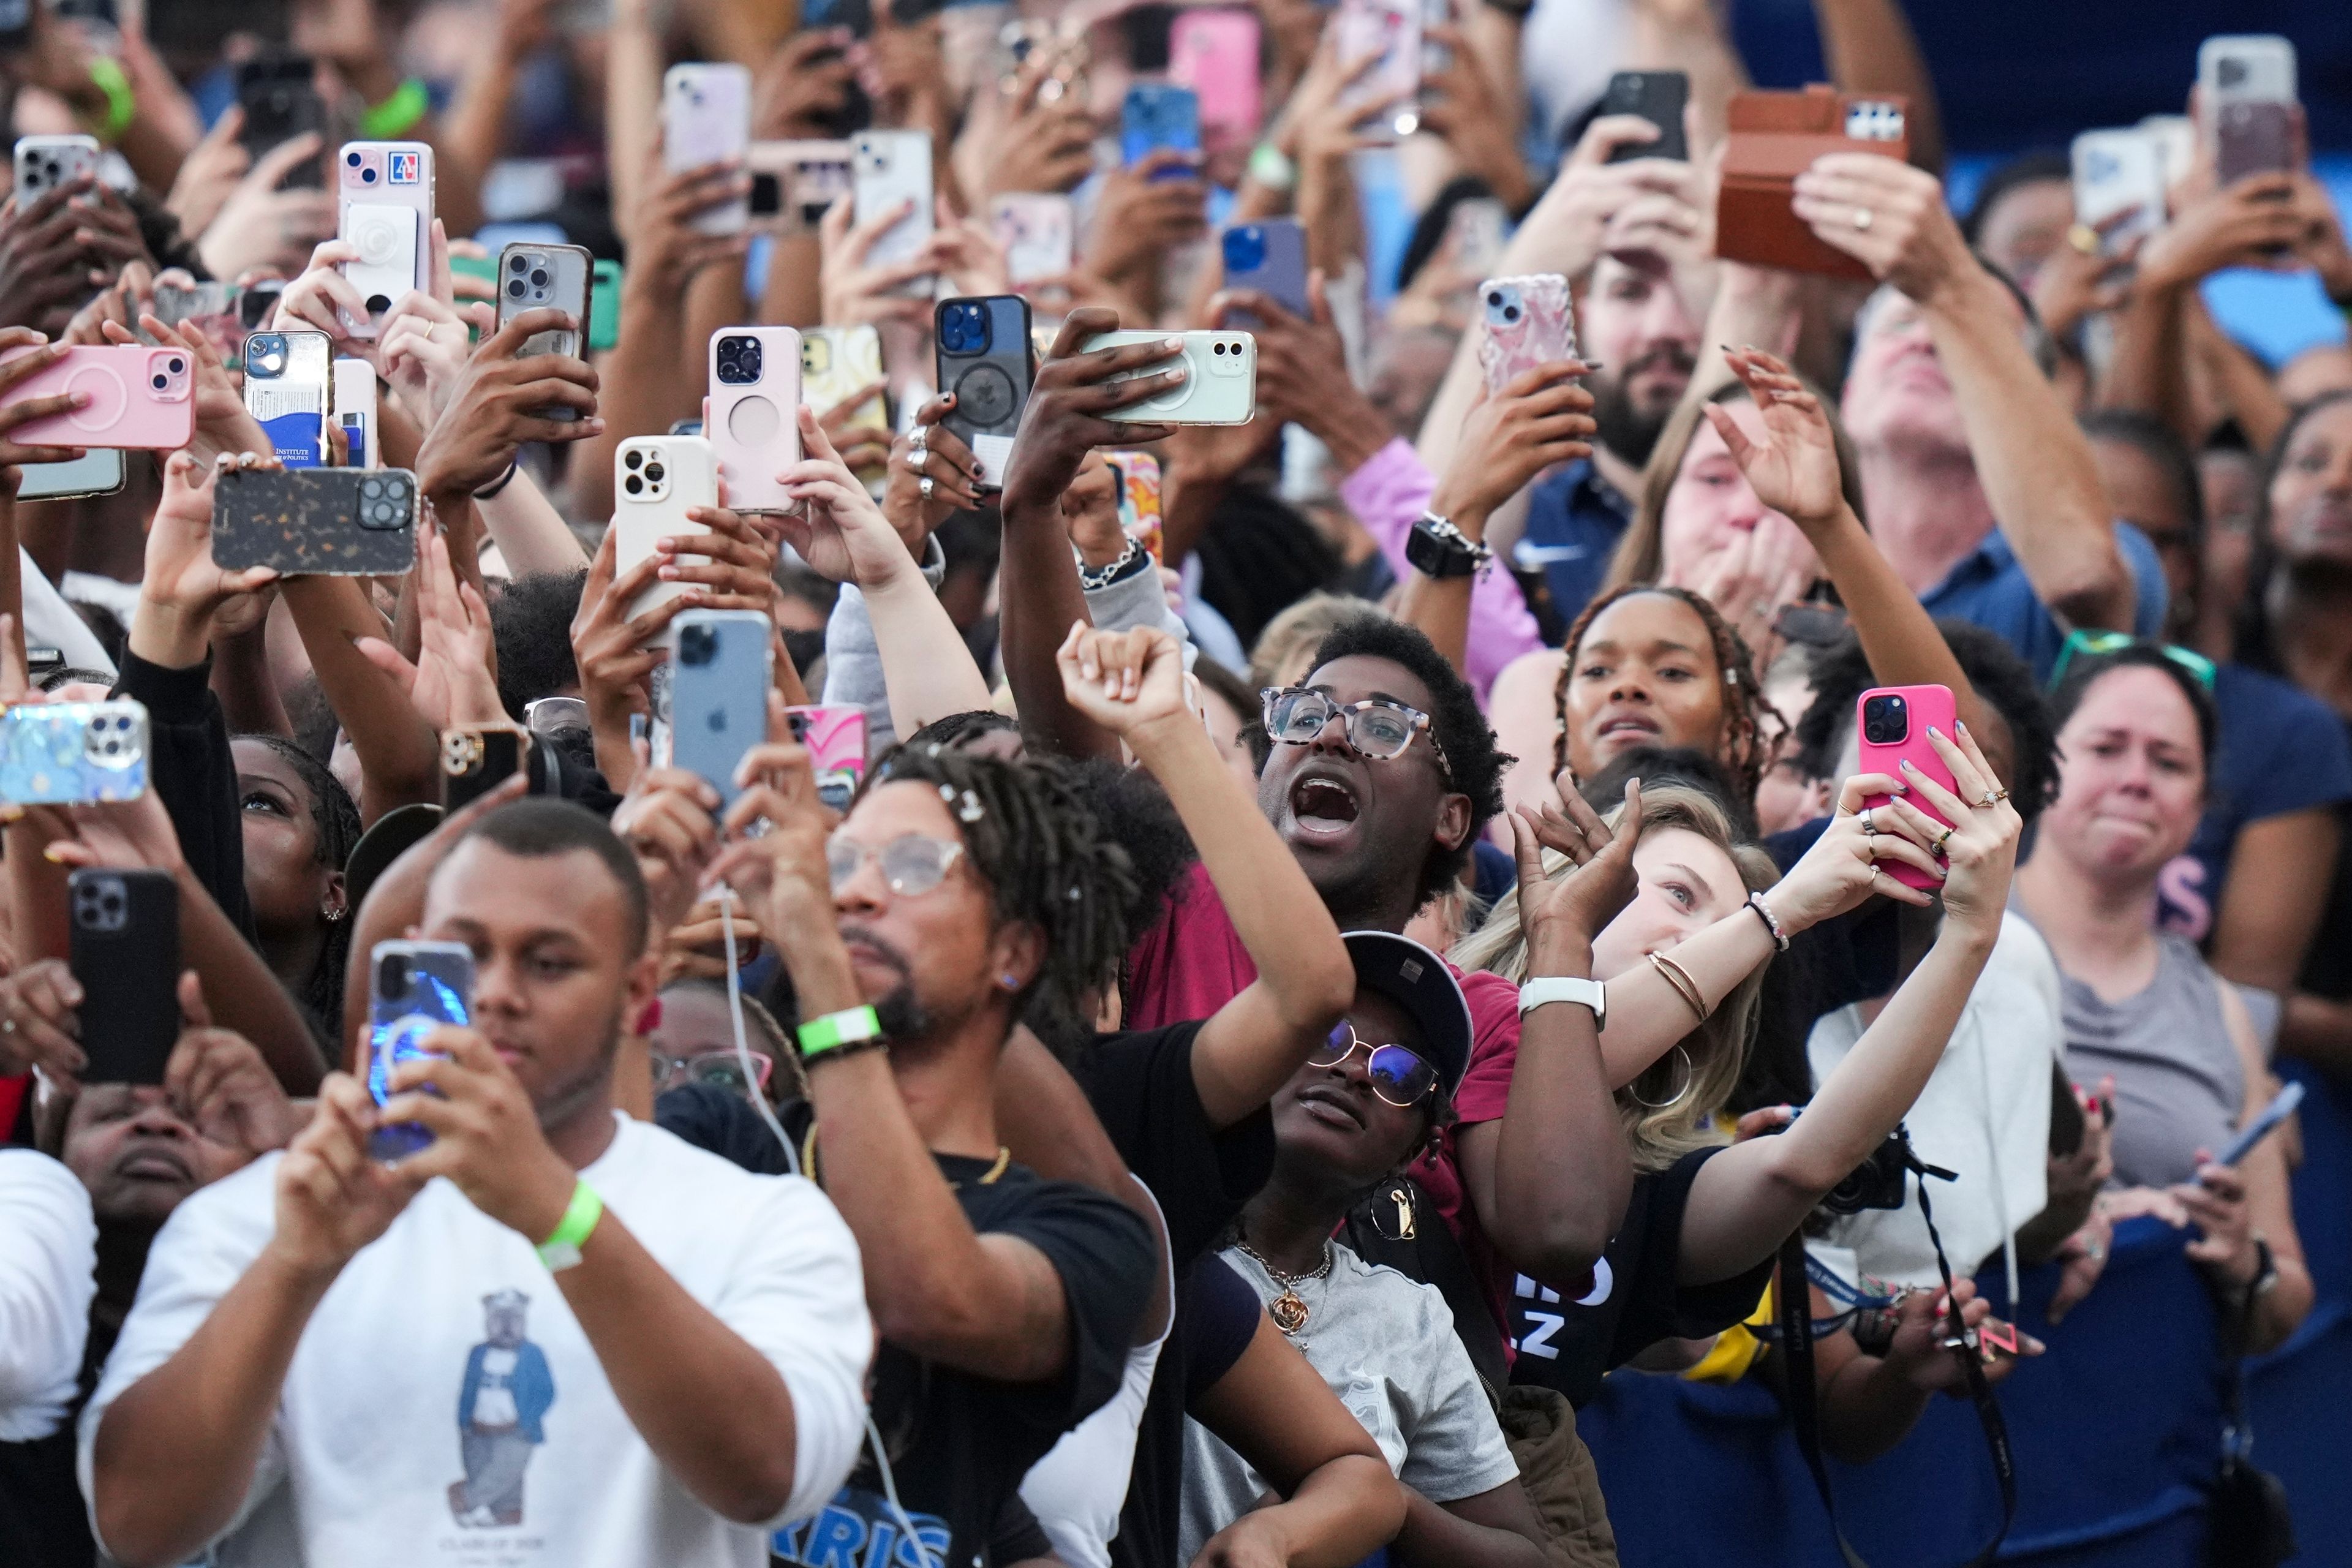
125	952
281	101
991	387
1657	97
315	523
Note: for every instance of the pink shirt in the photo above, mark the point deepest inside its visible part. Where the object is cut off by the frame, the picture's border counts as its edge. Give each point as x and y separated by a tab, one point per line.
1387	494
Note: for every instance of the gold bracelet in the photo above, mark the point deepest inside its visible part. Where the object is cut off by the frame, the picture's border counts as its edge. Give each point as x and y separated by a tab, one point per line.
1679	978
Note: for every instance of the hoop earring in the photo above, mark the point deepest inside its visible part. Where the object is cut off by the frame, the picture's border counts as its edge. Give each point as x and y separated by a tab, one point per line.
1690	1073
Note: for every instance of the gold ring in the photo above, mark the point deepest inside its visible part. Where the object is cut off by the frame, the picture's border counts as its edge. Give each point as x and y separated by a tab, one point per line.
1994	799
2083	238
1943	839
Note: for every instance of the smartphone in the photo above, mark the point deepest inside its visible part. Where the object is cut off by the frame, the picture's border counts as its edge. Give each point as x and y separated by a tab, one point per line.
2247	94
315	523
1895	721
889	169
256	302
985	357
139	398
45	162
1658	96
548	277
16	24
1477	228
123	946
1391	30
794	183
355	413
1215	53
2118	181
2174	137
97	472
2281	1106
1529	321
656	479
1137	474
477	759
1155	115
706	120
208	308
834	734
1271	257
1036	230
838	362
752	414
720	674
73	754
603	305
414	988
383	208
287	379
1221	388
279	95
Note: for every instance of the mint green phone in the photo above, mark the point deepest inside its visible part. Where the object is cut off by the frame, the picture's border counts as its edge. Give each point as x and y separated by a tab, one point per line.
604	306
1221	390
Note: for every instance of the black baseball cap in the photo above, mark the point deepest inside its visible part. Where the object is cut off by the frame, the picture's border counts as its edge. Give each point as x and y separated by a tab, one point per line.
1418	981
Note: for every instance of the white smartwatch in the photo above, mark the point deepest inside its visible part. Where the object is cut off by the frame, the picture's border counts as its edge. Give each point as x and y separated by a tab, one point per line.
1566	988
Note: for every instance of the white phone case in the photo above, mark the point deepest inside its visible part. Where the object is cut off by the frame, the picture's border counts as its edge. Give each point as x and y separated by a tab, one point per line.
1221	389
373	181
656	478
2118	173
891	167
2245	67
751	413
706	118
45	162
1037	233
387	240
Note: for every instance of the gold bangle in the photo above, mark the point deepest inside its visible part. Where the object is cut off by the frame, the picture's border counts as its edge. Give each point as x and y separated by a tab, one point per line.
1685	986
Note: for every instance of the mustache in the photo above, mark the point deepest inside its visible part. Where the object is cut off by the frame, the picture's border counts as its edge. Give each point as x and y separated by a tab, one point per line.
885	952
1665	356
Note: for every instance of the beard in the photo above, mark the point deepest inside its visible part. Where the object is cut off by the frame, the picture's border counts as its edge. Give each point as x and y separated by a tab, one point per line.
899	1011
1625	427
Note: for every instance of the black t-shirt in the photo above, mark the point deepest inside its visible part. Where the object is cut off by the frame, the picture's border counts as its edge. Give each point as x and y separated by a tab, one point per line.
958	1444
1634	1302
2327	967
1142	1090
1217	1315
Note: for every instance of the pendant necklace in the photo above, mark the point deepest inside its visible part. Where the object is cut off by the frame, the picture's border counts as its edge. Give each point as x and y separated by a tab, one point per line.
1288	1309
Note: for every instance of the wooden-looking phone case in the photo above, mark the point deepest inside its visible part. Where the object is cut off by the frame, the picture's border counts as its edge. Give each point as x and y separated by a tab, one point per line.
315	523
1774	137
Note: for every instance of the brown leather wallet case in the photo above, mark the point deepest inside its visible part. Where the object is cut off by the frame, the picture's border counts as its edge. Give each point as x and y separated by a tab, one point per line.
1773	136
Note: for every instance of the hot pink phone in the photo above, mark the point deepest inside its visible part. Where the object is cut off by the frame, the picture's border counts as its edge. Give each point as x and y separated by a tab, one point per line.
139	398
1895	721
834	734
1214	53
752	412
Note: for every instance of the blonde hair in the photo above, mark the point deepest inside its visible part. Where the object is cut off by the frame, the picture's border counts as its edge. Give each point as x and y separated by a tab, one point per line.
1300	630
1682	1099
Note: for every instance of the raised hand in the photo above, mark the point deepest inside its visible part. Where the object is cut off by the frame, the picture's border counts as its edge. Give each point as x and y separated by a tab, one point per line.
1979	848
1561	917
853	286
323	300
1145	212
333	1199
1126	680
932	473
1063	420
13	416
1889	217
486	1133
262	229
669	820
1544	418
839	529
451	683
498	403
39	1023
181	589
219	1082
1794	469
1842	869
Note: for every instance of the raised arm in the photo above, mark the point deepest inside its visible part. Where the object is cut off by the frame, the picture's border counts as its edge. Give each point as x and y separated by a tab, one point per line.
1748	1198
1870	47
2034	464
1132	684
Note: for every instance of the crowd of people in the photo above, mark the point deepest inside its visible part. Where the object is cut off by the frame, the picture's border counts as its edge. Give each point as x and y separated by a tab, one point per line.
1355	931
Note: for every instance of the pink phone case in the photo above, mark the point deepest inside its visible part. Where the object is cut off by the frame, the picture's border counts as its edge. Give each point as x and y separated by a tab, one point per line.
378	175
751	413
127	409
1391	28
834	735
1529	321
1924	705
1214	53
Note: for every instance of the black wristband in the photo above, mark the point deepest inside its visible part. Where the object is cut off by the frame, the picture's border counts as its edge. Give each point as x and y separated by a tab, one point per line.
501	482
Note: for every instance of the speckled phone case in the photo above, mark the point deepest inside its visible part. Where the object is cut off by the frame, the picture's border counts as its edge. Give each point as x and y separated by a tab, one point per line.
54	753
317	522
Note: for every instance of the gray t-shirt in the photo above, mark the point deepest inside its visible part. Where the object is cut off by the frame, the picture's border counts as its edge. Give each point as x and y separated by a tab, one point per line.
1387	1347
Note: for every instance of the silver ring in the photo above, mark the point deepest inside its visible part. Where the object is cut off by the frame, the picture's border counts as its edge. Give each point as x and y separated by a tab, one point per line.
1863	219
1869	828
7	1026
2094	1250
925	488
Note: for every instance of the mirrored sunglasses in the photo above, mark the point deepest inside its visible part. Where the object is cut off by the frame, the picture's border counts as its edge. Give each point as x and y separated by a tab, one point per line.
1397	1076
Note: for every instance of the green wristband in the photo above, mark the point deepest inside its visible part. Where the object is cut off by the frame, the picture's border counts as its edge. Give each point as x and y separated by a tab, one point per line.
833	1031
561	1250
403	109
122	107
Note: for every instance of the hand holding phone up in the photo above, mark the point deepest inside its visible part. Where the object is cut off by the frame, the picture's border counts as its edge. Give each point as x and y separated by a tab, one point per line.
1069	402
497	406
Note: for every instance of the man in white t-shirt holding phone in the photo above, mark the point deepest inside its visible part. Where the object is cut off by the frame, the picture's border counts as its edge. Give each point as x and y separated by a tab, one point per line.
691	1376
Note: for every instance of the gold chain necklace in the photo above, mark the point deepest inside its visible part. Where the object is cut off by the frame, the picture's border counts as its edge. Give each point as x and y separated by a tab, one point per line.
1288	1309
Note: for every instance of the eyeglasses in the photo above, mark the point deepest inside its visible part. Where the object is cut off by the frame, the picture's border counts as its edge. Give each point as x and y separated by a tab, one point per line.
720	1069
1382	730
2094	645
1397	1076
912	863
552	716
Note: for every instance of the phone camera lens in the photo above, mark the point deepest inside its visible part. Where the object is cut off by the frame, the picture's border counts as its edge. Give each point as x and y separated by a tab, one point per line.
632	458
514	289
160	383
367	177
518	264
176	366
539	279
1217	349
352	160
633	485
655	472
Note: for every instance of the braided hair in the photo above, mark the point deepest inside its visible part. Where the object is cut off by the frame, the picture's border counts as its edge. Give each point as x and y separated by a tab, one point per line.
335	825
1752	719
1045	857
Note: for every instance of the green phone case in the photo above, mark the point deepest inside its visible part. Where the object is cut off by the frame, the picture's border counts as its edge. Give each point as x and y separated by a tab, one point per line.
604	306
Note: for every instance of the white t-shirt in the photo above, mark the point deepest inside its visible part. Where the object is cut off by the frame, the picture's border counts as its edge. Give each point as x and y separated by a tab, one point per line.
49	1259
376	1458
1984	1116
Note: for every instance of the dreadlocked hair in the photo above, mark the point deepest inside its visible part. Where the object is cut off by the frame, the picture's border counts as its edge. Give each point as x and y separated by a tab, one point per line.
1750	717
1045	857
335	821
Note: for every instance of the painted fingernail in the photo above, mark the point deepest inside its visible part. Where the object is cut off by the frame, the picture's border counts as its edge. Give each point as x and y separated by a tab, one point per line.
1933	732
1961	725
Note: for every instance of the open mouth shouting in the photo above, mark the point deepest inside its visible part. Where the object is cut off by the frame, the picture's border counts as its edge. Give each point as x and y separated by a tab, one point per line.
1323	806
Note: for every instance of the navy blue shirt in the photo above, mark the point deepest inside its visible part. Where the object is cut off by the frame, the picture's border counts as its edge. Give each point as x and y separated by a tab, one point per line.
2279	749
1989	587
1575	519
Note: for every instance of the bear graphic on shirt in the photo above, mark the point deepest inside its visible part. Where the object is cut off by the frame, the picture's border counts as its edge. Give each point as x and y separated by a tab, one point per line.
506	1392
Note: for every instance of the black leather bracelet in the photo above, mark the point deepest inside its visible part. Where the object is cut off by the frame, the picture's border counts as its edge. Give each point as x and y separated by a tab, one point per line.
501	482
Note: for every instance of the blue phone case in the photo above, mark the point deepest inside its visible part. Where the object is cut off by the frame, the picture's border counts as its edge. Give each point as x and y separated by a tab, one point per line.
1156	115
414	988
1271	257
718	694
64	753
